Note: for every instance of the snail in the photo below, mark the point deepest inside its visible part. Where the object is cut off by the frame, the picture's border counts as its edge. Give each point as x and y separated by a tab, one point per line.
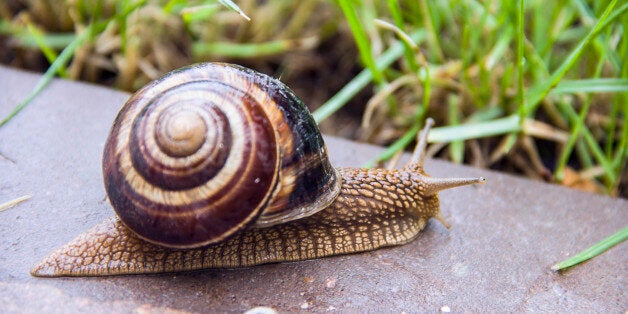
218	166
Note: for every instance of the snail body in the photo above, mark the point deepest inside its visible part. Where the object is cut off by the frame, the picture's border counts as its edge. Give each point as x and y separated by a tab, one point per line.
304	208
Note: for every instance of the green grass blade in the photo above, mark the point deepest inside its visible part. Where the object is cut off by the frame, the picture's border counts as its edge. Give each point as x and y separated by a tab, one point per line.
615	14
199	13
621	153
407	138
539	91
174	6
240	50
475	130
520	90
364	46
231	5
598	85
591	143
362	80
573	136
60	62
48	52
24	38
575	129
433	36
65	56
395	11
595	250
361	39
398	145
53	41
427	83
453	135
500	48
456	148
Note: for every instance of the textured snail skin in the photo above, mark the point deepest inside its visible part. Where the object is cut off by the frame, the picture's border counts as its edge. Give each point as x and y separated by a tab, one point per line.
375	208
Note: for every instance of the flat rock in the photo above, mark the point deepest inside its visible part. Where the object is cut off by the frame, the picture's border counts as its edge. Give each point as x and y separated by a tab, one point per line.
497	256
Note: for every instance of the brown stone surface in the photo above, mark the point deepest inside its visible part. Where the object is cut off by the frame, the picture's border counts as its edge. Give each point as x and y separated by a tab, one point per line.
497	256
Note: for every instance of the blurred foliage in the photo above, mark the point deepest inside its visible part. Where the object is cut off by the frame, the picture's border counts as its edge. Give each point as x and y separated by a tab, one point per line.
537	88
161	35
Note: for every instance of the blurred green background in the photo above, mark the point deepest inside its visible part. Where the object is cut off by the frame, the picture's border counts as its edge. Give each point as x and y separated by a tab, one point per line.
537	88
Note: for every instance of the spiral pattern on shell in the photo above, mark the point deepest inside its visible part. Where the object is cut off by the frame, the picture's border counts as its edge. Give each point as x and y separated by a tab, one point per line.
207	150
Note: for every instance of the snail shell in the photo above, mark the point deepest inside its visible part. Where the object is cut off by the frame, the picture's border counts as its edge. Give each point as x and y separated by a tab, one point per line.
208	150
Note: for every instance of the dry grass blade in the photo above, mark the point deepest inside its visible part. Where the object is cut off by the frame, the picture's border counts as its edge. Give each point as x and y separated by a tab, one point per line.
14	202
